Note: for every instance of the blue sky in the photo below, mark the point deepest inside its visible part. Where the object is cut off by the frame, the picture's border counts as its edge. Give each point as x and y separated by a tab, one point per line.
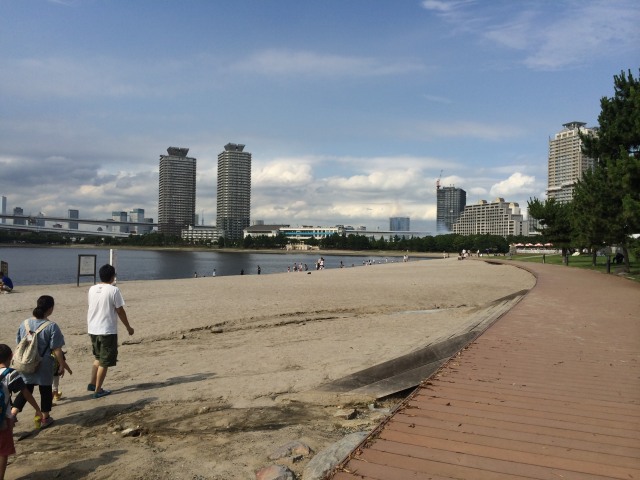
351	109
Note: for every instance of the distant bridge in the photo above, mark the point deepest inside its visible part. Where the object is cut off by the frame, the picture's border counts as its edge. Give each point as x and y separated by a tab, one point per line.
31	219
31	225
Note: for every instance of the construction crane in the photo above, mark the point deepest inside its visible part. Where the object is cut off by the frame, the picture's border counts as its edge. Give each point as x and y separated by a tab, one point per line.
438	181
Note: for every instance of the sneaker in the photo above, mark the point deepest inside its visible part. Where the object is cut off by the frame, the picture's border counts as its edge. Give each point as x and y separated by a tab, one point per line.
57	396
101	393
45	422
91	387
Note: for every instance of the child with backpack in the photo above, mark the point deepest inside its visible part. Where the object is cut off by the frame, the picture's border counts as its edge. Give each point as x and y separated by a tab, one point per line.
10	382
38	337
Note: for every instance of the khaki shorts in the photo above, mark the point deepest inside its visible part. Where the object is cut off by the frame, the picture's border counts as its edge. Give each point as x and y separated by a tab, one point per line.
105	349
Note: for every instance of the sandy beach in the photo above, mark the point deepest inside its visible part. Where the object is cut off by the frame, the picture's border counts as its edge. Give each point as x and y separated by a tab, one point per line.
213	380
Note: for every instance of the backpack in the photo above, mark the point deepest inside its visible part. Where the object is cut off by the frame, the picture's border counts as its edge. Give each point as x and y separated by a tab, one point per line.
5	402
26	359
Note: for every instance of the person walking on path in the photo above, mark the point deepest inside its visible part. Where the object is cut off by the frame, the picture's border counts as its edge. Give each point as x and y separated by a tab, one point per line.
106	305
50	340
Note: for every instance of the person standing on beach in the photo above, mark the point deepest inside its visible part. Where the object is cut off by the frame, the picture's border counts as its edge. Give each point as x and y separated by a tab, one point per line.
106	305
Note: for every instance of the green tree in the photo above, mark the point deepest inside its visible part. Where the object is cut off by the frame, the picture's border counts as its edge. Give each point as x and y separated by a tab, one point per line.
555	219
616	149
248	242
591	210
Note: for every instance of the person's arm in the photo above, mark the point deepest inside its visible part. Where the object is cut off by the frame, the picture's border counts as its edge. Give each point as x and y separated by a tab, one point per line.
122	315
62	363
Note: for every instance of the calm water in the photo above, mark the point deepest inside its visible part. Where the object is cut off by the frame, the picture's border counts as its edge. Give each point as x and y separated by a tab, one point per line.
42	265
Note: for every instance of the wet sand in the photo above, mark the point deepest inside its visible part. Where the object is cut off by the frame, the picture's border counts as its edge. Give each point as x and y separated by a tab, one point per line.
212	379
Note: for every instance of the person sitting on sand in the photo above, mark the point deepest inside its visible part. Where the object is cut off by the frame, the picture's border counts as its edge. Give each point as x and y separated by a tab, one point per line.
6	285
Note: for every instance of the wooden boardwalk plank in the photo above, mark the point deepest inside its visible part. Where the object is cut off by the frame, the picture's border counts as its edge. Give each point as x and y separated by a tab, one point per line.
550	391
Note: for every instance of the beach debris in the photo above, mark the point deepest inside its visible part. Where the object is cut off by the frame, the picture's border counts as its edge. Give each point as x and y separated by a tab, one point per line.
291	449
331	456
346	413
131	432
275	472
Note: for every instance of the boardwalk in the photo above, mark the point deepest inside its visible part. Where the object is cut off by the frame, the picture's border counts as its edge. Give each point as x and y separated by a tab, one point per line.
550	391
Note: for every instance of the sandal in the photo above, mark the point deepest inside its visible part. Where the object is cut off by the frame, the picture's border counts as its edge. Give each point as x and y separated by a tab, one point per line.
101	393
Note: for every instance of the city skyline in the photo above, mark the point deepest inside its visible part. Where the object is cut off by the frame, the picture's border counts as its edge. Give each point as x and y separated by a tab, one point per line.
351	111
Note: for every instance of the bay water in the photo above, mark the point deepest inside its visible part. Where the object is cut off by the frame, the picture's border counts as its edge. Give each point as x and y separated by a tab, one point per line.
52	265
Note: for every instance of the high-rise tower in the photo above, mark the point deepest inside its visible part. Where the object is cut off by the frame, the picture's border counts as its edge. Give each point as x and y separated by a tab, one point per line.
234	191
450	202
567	163
177	192
399	224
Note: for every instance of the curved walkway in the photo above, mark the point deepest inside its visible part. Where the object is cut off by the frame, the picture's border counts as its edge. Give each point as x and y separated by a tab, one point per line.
550	391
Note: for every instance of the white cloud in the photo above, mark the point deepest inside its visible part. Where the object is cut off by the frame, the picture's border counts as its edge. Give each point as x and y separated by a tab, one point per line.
468	129
514	186
444	6
296	62
63	77
438	99
588	31
282	173
390	180
563	35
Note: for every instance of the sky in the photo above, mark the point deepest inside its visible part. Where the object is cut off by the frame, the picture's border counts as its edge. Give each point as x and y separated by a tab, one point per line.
352	110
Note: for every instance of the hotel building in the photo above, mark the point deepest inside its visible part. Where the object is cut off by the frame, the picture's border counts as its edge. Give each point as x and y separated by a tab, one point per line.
450	202
234	191
495	218
399	224
177	192
567	163
73	214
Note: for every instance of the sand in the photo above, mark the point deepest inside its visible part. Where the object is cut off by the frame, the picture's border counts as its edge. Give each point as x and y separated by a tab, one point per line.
212	380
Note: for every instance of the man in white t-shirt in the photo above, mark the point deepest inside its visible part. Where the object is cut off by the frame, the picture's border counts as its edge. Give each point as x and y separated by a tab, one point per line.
106	306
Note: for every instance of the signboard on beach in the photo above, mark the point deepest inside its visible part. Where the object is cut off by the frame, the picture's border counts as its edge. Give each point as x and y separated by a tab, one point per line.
86	267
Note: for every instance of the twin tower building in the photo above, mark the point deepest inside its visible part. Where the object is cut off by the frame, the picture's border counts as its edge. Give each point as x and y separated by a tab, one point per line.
177	191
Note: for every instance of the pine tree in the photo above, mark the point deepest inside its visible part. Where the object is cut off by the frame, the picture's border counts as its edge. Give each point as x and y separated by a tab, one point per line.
613	190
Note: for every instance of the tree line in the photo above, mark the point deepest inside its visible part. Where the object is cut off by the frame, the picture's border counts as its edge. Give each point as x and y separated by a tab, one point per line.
605	209
440	243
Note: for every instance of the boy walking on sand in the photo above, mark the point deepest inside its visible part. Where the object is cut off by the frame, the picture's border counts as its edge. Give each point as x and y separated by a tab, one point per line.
106	305
11	382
